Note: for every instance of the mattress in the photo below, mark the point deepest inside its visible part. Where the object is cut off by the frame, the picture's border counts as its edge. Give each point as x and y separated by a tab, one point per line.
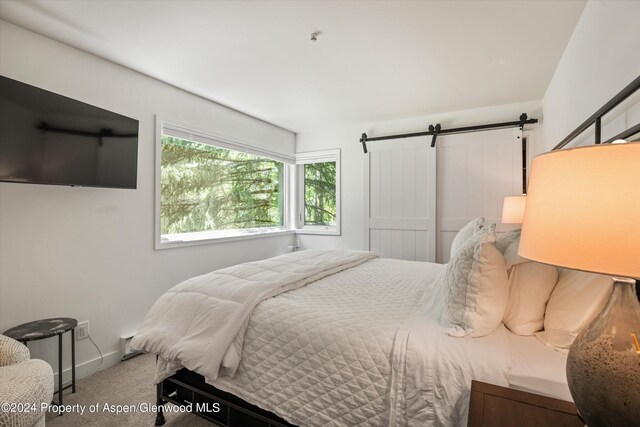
536	368
322	355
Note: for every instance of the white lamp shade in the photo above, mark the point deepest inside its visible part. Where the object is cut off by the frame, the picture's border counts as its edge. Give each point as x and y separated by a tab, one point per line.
583	209
513	209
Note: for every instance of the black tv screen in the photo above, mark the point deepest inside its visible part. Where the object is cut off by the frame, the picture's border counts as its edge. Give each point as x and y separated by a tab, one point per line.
47	138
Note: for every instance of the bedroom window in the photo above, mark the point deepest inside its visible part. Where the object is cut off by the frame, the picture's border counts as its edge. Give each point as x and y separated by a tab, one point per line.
210	188
319	192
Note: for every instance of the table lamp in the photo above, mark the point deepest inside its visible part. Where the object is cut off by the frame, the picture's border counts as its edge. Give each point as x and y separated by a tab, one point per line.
583	213
513	209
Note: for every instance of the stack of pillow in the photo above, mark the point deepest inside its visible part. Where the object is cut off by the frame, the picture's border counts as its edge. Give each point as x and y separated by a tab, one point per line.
487	283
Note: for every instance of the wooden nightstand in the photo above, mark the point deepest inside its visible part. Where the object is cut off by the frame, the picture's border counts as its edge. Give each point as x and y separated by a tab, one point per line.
495	406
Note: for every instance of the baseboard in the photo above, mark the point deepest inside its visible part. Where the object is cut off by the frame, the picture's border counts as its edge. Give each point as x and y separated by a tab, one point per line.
89	367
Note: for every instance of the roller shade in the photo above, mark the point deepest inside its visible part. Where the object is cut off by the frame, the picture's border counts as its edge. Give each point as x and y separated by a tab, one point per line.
181	132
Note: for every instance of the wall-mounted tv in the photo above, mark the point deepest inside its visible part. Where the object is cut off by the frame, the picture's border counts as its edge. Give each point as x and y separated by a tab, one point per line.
47	138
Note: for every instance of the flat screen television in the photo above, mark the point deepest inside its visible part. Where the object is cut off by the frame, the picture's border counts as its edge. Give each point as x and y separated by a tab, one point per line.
46	138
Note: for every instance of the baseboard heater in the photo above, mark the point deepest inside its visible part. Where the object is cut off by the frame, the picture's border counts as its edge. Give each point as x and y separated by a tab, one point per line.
125	348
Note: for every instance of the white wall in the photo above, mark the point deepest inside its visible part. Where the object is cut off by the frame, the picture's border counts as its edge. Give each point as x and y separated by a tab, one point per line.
346	138
88	253
602	57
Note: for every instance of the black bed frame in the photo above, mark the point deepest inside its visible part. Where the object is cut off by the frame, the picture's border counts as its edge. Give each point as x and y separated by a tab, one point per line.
186	388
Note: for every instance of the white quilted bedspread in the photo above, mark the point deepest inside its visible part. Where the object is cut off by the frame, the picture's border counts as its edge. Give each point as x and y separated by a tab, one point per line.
326	338
322	355
200	323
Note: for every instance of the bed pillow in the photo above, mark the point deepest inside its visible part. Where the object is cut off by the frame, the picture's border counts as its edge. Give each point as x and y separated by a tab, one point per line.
505	239
465	234
508	243
475	287
575	301
530	286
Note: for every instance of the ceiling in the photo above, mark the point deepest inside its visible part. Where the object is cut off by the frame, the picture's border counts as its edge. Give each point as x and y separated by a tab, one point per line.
373	61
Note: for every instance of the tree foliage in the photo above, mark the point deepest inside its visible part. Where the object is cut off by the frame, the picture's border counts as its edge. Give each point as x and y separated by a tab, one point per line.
320	193
210	188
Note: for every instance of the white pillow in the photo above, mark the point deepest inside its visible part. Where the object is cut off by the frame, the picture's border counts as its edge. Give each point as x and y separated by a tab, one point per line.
508	243
475	286
511	256
577	299
530	286
505	239
465	234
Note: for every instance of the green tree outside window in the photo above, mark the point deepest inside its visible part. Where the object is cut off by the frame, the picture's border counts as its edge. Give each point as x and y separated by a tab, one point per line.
320	193
205	188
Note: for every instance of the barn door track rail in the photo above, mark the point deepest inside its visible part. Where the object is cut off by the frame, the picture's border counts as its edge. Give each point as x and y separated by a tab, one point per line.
436	130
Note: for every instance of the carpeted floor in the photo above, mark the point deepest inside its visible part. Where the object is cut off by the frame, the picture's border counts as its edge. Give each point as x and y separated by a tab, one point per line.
128	383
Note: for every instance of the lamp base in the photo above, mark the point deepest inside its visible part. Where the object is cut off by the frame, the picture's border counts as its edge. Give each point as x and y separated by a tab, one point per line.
603	365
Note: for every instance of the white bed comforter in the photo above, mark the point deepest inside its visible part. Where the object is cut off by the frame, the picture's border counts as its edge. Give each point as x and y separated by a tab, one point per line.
360	347
199	324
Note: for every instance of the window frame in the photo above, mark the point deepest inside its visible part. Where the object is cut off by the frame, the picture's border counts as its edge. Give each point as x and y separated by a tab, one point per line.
316	157
193	133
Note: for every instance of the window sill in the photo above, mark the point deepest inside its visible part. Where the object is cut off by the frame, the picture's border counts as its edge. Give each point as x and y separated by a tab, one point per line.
328	231
207	237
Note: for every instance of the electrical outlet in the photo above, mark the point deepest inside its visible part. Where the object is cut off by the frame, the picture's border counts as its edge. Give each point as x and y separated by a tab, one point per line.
82	331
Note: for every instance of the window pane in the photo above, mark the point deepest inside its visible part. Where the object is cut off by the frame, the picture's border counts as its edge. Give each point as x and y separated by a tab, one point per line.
206	188
320	193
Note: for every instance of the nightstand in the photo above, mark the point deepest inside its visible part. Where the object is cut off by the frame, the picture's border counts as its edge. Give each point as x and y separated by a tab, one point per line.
495	406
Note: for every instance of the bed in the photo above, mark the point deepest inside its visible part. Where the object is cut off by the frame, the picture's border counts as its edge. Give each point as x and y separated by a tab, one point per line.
350	339
345	338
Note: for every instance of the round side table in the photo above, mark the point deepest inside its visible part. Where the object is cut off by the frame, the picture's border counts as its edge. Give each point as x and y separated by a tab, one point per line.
41	329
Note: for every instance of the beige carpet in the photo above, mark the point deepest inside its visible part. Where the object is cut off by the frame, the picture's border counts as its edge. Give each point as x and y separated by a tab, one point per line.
128	383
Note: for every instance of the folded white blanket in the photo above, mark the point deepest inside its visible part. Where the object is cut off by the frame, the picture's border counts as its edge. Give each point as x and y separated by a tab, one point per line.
200	323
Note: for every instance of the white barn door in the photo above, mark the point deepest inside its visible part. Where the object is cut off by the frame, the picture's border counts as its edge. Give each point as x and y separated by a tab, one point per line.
475	172
400	199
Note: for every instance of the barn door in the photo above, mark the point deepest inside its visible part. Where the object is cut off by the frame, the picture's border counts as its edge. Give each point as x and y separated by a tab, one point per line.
400	204
475	172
